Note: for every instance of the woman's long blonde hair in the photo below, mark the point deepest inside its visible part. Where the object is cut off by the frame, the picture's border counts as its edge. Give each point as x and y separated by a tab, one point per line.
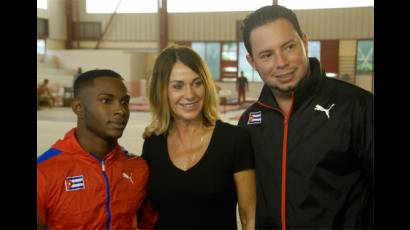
158	88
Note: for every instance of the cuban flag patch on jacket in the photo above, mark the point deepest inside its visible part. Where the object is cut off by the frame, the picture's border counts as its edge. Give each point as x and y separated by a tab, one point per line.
74	183
255	118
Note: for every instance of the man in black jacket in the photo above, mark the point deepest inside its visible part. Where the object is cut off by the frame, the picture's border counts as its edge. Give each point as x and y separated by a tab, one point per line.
312	135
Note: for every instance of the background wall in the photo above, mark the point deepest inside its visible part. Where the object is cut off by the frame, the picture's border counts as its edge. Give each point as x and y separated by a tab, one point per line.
130	43
118	60
133	66
365	82
55	14
347	58
344	23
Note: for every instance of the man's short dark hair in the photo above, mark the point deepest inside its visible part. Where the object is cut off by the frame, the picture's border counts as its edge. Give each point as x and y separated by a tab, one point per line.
86	79
265	15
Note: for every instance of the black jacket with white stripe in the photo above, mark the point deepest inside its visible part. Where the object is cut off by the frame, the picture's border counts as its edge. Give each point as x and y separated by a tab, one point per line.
314	168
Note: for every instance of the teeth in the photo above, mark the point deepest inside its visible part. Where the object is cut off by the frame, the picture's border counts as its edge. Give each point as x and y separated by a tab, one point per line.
188	105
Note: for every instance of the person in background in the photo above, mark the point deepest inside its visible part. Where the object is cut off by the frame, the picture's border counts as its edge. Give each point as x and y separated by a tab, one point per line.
312	135
200	167
44	94
241	87
86	180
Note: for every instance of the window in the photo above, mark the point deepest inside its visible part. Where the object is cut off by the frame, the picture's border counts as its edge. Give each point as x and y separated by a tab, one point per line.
364	57
244	66
322	4
213	50
180	6
42	4
229	51
199	47
210	53
229	62
314	49
41	46
126	6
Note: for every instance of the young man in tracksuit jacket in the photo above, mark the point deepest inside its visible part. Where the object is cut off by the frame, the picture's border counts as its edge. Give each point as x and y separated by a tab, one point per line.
312	135
86	180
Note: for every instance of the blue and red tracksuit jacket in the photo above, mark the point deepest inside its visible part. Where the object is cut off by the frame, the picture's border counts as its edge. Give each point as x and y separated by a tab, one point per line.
76	190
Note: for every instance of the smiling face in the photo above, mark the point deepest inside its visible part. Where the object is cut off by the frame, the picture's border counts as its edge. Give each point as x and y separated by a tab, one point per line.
103	108
186	93
279	55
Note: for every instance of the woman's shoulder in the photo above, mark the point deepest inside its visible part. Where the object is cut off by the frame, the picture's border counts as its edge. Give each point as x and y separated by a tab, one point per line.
230	128
154	139
153	145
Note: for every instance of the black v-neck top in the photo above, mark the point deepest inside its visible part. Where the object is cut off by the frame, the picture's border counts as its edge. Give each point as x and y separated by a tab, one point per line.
204	196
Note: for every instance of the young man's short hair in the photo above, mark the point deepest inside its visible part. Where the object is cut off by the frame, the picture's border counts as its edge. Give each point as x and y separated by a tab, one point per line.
86	79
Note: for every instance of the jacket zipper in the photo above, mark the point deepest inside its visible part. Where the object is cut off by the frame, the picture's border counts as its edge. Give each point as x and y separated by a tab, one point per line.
108	194
284	154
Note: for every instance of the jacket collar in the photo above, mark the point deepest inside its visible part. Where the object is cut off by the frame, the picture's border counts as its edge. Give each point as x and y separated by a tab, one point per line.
306	88
70	145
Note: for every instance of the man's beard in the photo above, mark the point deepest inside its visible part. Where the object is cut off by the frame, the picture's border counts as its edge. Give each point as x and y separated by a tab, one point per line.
290	88
287	90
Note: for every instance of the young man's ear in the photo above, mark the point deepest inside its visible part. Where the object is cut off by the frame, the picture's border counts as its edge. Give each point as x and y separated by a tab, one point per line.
77	107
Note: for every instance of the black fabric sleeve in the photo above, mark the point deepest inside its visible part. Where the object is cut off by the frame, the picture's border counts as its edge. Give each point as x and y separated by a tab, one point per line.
368	149
146	149
363	134
364	146
243	153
